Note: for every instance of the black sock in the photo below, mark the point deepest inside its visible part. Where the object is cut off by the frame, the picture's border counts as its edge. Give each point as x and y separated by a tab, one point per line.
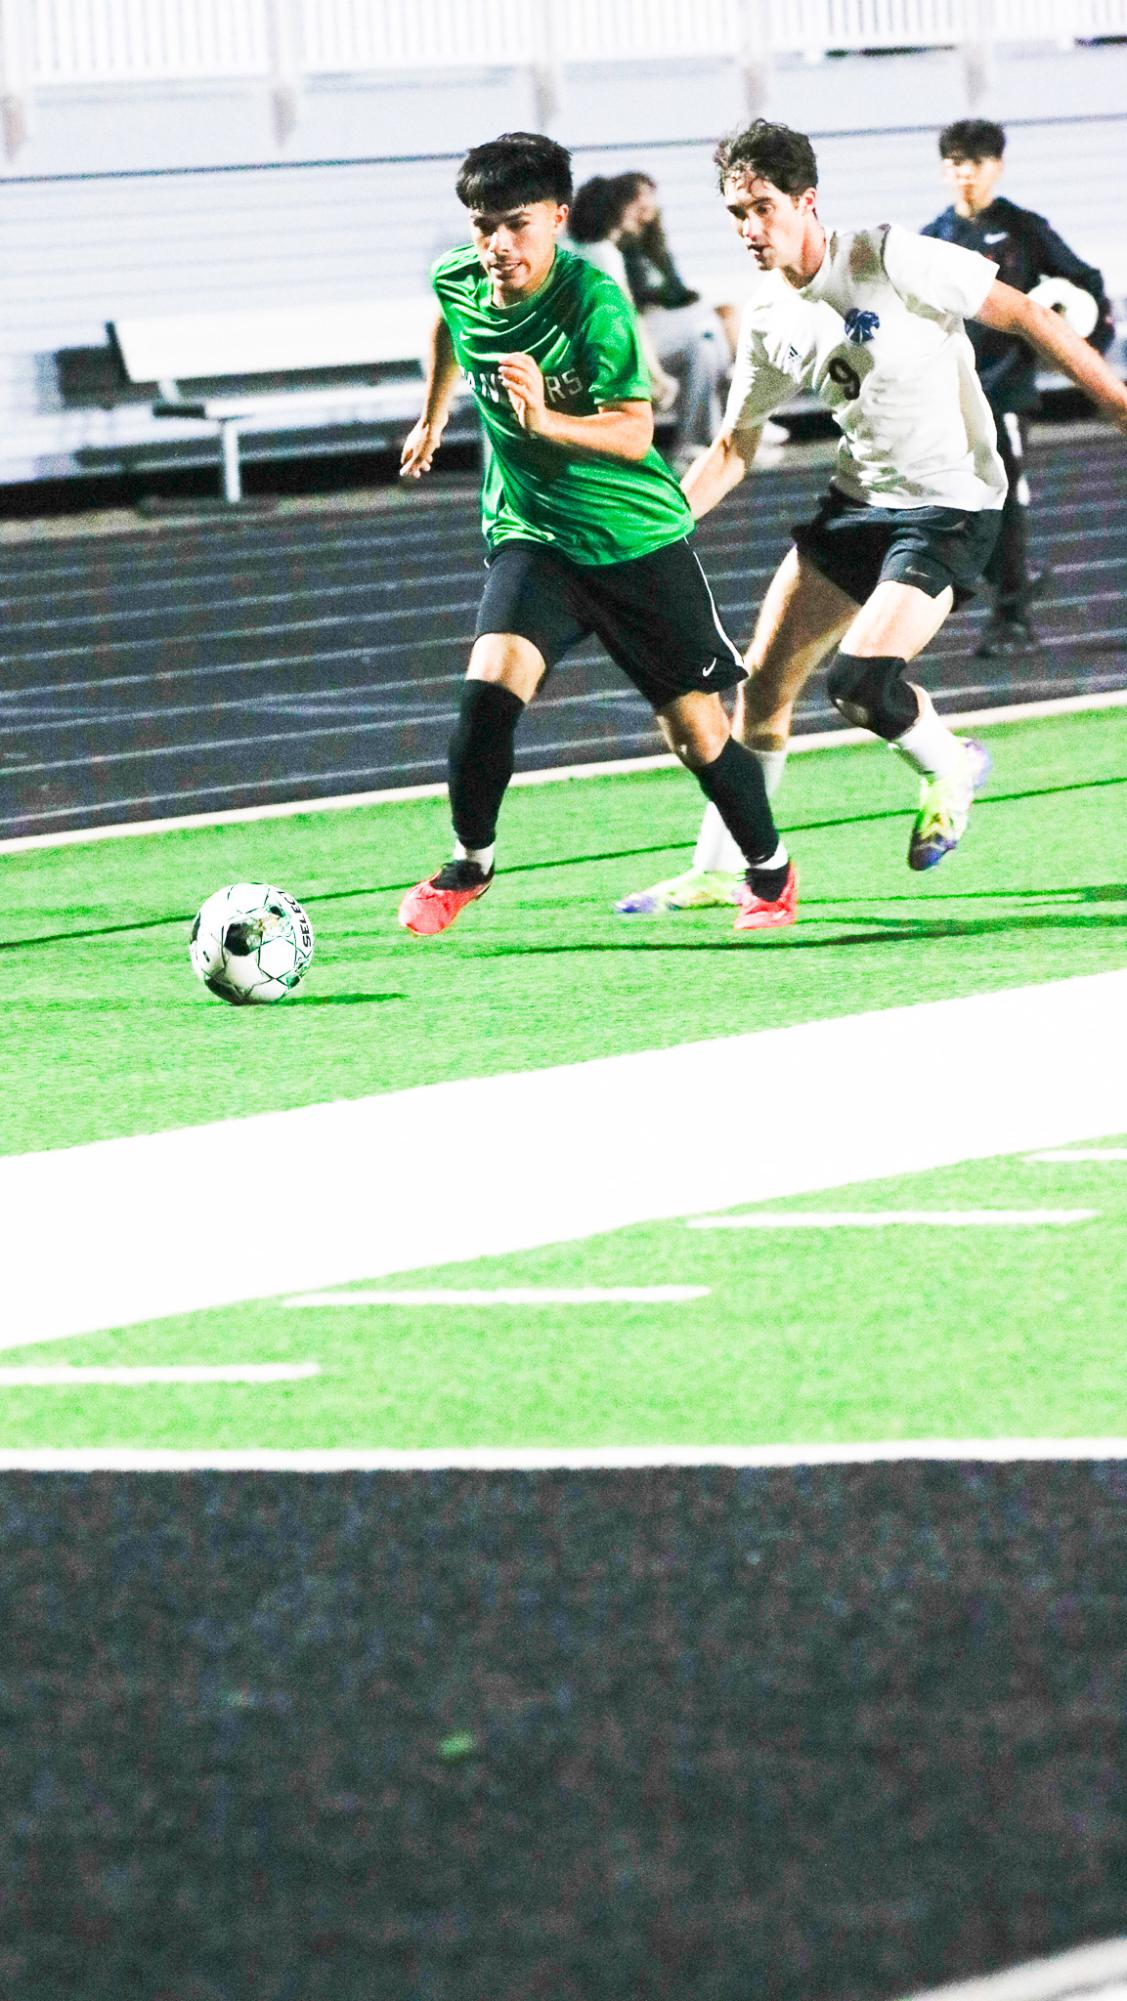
481	759
769	883
734	783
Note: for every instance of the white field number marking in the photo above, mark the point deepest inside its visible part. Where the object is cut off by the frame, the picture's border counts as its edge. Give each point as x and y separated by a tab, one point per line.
881	1219
1066	1154
512	1295
66	1378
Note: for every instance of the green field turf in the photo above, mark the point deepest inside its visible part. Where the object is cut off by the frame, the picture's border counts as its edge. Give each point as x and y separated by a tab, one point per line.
108	1034
803	1335
843	1731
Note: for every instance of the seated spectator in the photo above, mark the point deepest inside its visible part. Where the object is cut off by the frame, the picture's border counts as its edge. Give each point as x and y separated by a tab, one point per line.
595	228
688	347
693	339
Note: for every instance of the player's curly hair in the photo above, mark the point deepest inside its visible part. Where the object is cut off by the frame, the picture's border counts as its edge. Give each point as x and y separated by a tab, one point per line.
770	153
518	167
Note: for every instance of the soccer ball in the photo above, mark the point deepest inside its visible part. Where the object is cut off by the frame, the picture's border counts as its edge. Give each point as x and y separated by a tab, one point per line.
1076	307
250	942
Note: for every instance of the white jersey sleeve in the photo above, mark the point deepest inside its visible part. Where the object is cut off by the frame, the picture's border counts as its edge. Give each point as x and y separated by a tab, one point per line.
941	279
756	387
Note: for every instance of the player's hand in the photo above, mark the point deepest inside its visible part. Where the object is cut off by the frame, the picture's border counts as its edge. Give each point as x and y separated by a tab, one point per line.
526	390
419	448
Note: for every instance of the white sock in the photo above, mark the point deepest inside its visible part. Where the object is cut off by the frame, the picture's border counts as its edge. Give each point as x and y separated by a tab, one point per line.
779	859
772	763
930	747
482	856
716	849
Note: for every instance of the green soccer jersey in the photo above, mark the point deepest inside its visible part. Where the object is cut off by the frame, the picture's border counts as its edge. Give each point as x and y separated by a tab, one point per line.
580	330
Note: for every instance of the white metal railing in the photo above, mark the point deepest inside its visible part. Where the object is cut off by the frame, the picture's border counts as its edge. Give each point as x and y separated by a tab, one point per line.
131	41
50	44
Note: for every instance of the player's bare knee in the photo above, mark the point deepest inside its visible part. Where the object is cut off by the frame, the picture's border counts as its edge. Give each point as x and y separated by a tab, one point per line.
508	661
871	694
696	748
696	729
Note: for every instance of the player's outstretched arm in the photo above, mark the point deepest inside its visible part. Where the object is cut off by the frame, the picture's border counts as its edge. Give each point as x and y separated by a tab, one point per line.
1010	311
721	468
422	442
616	431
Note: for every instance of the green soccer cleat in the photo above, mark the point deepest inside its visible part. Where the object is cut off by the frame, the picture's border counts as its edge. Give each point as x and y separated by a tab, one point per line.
945	805
697	889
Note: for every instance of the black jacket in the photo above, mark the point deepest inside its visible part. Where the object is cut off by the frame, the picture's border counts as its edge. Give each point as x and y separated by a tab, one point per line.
1025	249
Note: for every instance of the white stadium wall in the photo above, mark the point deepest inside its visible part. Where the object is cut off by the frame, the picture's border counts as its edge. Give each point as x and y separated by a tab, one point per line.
161	196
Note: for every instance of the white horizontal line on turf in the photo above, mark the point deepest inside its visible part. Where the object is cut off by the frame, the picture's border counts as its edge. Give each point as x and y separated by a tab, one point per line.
534	1459
1066	1153
1087	1973
512	1295
131	1201
879	1219
128	1378
346	802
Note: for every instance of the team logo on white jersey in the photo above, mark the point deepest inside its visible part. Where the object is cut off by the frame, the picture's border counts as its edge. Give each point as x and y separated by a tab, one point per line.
860	325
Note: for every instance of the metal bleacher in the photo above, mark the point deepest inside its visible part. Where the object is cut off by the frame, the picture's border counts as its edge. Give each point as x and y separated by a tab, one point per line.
216	168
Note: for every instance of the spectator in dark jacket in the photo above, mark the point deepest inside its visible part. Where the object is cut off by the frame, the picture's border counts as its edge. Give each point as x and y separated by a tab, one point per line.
1026	250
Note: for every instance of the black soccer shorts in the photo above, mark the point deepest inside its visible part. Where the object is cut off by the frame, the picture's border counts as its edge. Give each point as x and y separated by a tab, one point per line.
858	547
655	615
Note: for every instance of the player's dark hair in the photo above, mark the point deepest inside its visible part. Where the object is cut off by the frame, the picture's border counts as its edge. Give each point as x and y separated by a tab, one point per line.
599	206
518	167
766	152
972	139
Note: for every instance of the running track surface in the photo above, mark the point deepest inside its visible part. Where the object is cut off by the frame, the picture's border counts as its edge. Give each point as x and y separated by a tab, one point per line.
244	659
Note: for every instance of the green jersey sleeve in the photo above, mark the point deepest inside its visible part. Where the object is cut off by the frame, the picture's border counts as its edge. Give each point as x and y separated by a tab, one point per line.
615	367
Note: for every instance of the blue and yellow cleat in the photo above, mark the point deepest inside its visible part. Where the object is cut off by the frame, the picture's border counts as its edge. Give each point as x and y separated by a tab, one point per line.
697	889
945	805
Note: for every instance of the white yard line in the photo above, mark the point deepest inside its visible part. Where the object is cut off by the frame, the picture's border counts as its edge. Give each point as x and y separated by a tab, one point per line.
1062	705
512	1295
542	1459
128	1378
328	1195
883	1219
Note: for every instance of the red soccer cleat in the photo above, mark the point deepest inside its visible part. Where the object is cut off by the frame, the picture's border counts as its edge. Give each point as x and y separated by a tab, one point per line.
433	905
756	913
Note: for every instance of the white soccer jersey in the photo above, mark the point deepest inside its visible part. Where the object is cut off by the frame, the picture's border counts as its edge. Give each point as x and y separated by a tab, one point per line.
878	336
